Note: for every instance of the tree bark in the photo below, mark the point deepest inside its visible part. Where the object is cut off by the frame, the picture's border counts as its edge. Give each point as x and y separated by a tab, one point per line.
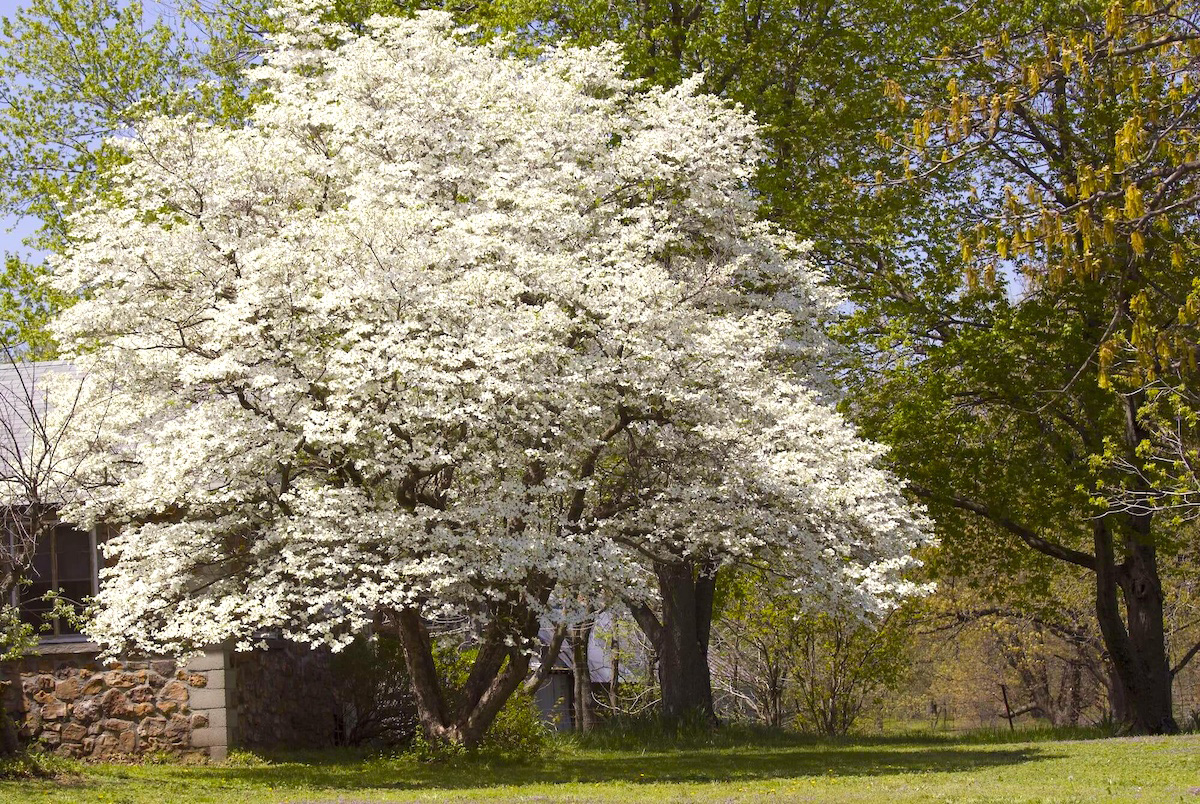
681	638
1137	651
584	715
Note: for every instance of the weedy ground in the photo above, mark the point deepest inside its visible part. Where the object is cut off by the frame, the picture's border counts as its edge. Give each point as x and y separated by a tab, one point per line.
731	766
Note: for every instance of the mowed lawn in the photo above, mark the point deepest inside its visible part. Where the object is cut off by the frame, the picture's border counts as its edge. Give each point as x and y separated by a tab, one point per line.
1127	769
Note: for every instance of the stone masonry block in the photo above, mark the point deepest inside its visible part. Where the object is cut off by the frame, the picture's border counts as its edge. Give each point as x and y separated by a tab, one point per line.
216	718
216	679
205	698
210	736
212	660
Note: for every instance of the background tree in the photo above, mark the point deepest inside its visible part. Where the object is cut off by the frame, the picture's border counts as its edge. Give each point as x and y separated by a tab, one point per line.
787	665
1072	131
74	72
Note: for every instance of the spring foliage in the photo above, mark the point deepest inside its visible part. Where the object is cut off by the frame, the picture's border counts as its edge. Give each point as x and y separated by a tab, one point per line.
442	326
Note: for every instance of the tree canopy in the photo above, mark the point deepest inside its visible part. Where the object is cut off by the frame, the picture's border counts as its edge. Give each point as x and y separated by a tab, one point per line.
446	332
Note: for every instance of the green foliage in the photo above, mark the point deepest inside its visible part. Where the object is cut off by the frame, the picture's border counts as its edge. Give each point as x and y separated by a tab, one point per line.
75	72
782	664
30	765
517	733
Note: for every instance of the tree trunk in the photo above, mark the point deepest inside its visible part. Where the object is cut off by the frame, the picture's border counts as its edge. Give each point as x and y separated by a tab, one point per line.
1137	652
580	637
1142	592
681	639
497	672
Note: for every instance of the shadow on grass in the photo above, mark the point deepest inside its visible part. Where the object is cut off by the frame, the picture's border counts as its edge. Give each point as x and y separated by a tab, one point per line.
697	765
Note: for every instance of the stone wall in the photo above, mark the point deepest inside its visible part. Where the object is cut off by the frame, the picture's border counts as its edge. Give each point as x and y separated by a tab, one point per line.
77	707
282	696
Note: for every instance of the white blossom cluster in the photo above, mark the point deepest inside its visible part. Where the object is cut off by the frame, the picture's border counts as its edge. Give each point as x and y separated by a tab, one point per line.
443	325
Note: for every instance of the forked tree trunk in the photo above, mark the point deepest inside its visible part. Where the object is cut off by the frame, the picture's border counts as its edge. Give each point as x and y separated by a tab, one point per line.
681	638
462	717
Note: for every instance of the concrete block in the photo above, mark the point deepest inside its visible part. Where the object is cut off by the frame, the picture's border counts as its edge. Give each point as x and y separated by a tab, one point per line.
209	736
204	698
218	753
209	660
216	679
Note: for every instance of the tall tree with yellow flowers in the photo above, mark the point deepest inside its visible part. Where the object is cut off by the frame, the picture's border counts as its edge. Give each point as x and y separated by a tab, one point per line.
1074	132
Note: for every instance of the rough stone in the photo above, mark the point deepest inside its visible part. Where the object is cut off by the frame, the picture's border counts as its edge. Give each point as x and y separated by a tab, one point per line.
197	680
153	727
119	678
167	707
43	697
174	691
89	745
33	719
94	685
46	682
115	724
54	711
141	710
106	745
178	729
86	711
116	704
199	720
127	742
141	693
74	732
163	667
67	689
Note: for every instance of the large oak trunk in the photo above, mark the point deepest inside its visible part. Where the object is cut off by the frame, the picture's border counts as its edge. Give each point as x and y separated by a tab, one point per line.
681	638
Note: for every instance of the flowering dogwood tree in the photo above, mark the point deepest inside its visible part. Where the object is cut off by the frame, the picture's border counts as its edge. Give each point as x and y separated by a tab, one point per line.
447	333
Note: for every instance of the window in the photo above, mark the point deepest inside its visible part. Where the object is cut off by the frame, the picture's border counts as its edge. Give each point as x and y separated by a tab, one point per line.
66	563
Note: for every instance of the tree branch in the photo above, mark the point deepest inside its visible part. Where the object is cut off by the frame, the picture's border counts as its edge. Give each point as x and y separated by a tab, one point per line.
1052	549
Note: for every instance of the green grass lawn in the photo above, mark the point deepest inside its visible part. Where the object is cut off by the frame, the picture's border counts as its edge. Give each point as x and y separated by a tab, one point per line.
779	769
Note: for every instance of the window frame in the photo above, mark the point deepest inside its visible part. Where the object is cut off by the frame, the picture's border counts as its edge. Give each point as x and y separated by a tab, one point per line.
55	635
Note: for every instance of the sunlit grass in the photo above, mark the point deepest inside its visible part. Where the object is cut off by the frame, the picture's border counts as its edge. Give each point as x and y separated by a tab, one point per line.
735	765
